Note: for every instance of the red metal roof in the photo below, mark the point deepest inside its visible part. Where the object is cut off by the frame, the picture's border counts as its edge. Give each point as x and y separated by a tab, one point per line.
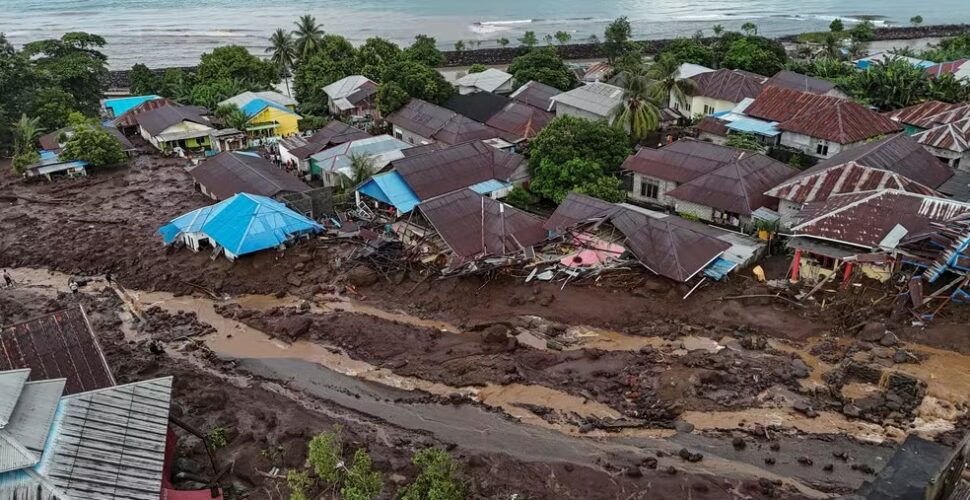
952	136
866	219
738	186
822	117
916	113
712	125
520	121
728	85
127	119
443	171
682	160
949	67
845	178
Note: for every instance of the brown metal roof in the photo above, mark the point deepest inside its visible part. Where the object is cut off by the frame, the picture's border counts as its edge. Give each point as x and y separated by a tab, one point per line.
457	167
475	226
918	112
423	149
712	125
520	121
155	121
578	208
800	82
332	134
951	115
57	345
479	106
848	177
421	117
666	248
537	95
682	160
460	129
738	186
232	172
822	117
127	119
728	85
951	136
866	219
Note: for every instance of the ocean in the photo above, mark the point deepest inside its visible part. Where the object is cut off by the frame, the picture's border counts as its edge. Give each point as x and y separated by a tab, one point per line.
175	32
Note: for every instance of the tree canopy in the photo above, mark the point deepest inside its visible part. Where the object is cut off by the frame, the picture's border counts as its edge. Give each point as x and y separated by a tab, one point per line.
424	50
553	181
616	39
234	62
689	50
568	137
417	80
93	144
755	54
542	65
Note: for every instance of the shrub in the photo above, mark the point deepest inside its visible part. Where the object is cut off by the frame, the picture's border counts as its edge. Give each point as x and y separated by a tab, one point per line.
438	478
299	482
362	481
326	455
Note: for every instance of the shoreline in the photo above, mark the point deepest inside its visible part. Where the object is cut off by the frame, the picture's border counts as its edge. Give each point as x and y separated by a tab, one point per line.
117	80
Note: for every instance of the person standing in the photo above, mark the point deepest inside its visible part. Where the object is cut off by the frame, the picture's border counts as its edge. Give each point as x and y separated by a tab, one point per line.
8	281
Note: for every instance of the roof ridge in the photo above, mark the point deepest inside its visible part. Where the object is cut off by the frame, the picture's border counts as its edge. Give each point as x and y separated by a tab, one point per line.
875	193
102	390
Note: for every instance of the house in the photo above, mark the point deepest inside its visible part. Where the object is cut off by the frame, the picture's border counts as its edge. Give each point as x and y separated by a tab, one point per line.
838	233
536	94
950	143
817	125
297	149
228	174
805	83
268	122
51	164
56	140
176	126
922	116
420	122
688	70
474	165
519	122
334	165
593	101
712	129
717	91
493	81
960	69
241	100
594	73
126	121
479	106
240	225
883	57
895	162
114	108
352	96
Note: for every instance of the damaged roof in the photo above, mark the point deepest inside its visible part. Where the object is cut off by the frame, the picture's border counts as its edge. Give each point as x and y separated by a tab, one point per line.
800	82
737	186
918	113
577	208
232	172
536	94
823	117
869	219
332	134
520	121
475	226
728	85
681	161
457	167
896	162
712	125
951	136
57	345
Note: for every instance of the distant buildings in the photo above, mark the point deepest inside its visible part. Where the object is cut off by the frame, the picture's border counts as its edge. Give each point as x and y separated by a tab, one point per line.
353	96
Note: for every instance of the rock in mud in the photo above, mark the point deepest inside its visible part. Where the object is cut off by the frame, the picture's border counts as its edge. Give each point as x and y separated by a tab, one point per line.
634	472
769	460
362	276
805	461
889	340
682	426
650	462
873	331
800	369
805	409
495	334
293	327
851	410
754	342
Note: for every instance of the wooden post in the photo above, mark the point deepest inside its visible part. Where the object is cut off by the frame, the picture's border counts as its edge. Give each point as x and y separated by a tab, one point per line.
847	274
796	263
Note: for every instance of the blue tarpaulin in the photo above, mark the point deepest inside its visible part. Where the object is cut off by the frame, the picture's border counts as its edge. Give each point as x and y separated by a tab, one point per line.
754	126
489	186
242	224
391	189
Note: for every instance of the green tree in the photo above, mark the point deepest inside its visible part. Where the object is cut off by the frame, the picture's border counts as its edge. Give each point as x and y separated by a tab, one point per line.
666	73
93	144
177	84
424	50
617	39
749	28
529	39
949	49
548	38
299	483
308	36
26	130
460	46
836	26
24	159
755	54
375	55
439	478
862	32
554	181
143	81
639	112
362	481
717	29
542	65
313	75
72	63
477	68
948	88
567	137
283	53
52	106
831	45
746	141
337	48
916	20
361	169
519	197
325	455
502	42
209	94
604	187
234	62
563	37
419	81
890	84
17	84
688	50
390	98
232	116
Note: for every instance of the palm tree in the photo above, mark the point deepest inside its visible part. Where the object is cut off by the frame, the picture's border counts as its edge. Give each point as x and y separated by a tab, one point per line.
639	113
361	168
665	73
563	37
309	35
717	29
502	42
25	130
547	38
284	52
749	28
233	117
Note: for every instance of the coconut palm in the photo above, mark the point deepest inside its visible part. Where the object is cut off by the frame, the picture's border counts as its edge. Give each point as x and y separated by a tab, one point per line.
717	29
361	168
309	36
232	116
284	52
749	28
639	113
26	130
665	73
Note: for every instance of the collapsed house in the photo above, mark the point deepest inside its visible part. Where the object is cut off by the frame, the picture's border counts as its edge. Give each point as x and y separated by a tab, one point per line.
296	150
240	225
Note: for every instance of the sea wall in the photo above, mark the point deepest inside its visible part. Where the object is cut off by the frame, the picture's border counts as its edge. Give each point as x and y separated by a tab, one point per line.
578	51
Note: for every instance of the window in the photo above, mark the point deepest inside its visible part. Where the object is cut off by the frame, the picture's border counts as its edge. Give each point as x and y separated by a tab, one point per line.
676	105
708	110
822	148
687	106
649	190
398	135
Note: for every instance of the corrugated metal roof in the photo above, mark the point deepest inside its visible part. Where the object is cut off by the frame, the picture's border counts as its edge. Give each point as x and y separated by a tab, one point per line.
487	81
27	485
128	118
681	161
268	95
738	186
597	98
728	85
753	125
31	420
457	167
57	345
520	121
391	189
800	82
231	172
11	384
823	117
382	150
536	94
952	136
948	67
897	153
461	129
917	113
332	134
421	117
577	208
255	106
155	121
479	106
848	177
712	125
958	186
121	105
345	87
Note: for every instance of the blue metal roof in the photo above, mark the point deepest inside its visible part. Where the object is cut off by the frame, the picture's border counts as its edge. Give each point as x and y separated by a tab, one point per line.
243	224
120	105
252	108
719	268
391	189
489	186
754	126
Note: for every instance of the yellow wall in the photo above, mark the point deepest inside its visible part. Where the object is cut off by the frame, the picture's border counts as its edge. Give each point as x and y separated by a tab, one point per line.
811	271
288	122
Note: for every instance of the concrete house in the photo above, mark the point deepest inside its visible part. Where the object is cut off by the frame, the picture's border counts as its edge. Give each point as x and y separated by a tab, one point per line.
297	150
718	91
805	83
176	126
228	174
494	81
352	96
271	115
593	101
420	122
949	142
332	165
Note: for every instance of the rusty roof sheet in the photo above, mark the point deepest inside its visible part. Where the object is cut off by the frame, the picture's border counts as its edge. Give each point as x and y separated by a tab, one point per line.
127	119
822	117
665	247
421	117
800	82
681	161
952	136
917	113
578	208
738	186
475	226
728	85
951	115
457	167
866	219
712	125
520	121
536	94
232	172
948	67
57	345
848	177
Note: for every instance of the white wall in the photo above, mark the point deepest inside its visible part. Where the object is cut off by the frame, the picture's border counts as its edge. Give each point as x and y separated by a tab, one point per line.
809	145
706	214
410	137
788	210
665	187
696	105
567	110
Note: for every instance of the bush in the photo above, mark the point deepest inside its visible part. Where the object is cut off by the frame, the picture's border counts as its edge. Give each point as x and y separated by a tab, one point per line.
313	122
438	478
837	26
518	197
362	482
326	454
94	145
299	482
24	160
217	438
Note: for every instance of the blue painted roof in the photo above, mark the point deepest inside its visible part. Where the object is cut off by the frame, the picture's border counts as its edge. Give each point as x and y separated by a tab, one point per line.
755	126
252	108
489	186
391	189
243	224
720	268
120	105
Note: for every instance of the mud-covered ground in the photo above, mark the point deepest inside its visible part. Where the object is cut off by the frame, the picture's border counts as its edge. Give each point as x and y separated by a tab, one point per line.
754	390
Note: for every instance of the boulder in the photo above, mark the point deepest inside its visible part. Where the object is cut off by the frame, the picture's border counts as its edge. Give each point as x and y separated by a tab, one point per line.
889	339
873	331
362	276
